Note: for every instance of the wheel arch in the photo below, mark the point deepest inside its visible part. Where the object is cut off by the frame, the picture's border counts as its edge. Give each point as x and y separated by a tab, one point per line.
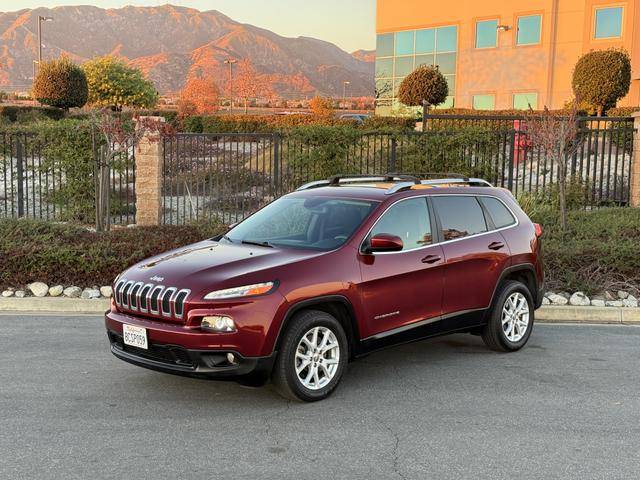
524	273
336	305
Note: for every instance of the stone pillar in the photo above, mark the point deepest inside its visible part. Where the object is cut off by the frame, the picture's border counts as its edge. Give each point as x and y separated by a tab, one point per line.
149	160
635	165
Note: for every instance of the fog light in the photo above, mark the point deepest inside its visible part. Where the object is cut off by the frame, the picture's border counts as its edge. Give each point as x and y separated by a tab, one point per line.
231	358
218	324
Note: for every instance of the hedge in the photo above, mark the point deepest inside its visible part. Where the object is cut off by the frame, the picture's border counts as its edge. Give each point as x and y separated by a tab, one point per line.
598	252
34	250
25	114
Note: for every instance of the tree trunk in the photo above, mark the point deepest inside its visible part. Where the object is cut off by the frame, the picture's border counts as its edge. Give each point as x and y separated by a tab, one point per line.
246	106
562	186
425	110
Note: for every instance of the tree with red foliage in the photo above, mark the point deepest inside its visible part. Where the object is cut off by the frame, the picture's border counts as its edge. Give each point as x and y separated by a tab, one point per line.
249	84
200	95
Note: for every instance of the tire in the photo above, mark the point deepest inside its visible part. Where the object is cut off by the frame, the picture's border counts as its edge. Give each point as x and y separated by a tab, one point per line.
295	353
510	334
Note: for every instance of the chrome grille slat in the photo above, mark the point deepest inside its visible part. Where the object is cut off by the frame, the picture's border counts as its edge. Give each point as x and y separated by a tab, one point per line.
138	297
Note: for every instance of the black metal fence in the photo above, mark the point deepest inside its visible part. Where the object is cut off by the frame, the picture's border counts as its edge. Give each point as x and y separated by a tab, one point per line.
228	176
44	179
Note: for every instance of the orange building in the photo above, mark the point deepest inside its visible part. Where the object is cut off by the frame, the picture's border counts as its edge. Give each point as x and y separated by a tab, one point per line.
500	54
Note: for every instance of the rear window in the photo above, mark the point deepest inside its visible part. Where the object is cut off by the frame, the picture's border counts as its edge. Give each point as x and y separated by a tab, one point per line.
498	212
459	216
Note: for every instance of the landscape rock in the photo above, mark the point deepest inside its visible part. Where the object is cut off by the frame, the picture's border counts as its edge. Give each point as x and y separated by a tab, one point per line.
56	291
598	302
8	293
548	294
565	295
21	293
39	289
610	296
630	302
558	300
614	303
546	301
622	295
72	292
106	291
579	299
90	293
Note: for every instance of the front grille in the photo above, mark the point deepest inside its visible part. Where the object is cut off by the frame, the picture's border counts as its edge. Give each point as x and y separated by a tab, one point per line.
149	298
169	354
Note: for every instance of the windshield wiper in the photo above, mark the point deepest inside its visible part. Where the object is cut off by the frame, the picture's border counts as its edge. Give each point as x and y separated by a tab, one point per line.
227	238
259	244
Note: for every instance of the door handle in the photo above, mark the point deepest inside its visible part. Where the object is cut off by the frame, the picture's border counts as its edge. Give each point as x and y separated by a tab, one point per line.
496	246
431	259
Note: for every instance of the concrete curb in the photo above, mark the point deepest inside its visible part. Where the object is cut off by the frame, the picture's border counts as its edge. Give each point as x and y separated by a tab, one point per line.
54	305
547	314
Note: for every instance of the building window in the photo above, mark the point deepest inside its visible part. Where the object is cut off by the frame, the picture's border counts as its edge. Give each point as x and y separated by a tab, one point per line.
487	34
529	29
426	41
524	101
484	102
400	53
405	43
384	45
608	22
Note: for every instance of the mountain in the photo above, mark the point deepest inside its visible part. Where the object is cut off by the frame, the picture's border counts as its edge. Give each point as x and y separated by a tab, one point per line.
368	56
169	43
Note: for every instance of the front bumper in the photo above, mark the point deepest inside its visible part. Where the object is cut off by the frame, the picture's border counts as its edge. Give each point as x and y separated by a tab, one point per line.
206	364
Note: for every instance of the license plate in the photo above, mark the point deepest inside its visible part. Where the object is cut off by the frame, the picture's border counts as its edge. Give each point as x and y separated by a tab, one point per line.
135	336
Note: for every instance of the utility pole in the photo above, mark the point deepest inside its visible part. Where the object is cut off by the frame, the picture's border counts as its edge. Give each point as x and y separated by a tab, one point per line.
345	84
39	61
231	62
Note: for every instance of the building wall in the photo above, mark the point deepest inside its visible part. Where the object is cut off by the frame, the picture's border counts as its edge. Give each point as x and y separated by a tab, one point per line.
545	68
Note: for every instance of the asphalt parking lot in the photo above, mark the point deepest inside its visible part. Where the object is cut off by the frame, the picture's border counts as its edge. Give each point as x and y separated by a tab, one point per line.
567	406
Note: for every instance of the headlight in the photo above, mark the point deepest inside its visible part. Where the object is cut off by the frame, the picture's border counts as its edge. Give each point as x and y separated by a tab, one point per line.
246	291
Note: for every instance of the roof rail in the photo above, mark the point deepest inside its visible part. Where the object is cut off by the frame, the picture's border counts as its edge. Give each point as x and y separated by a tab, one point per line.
434	175
337	180
473	182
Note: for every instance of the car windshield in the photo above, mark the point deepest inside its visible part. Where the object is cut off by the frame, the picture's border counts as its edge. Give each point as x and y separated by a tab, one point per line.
318	223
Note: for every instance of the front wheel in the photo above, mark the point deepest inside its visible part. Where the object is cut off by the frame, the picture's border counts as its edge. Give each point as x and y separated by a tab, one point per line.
313	355
511	318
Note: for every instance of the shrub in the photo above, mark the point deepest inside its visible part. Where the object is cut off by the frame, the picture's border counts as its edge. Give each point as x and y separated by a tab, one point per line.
598	252
64	254
602	77
424	84
321	106
115	85
622	111
61	84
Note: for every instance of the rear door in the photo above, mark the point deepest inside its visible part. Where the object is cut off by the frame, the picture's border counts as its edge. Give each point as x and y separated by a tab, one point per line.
405	287
475	253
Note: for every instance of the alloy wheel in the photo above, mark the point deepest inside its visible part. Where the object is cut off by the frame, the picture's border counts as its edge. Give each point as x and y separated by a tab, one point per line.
317	358
515	317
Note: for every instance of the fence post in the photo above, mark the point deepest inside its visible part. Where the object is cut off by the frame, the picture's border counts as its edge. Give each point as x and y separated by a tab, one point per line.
512	159
394	155
20	175
634	180
276	163
149	155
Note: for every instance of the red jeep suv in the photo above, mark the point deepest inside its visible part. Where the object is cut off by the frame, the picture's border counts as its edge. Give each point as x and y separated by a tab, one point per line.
329	273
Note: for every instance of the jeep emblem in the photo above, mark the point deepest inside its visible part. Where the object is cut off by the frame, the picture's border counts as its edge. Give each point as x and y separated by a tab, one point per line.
157	279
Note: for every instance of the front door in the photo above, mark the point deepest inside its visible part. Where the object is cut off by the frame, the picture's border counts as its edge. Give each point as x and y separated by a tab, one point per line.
401	288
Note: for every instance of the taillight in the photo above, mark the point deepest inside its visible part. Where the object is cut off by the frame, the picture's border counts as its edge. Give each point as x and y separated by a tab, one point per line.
538	229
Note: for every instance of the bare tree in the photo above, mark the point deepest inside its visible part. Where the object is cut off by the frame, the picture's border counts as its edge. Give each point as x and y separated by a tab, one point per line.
558	138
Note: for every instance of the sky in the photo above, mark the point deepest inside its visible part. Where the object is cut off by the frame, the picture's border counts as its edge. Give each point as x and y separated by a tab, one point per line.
350	24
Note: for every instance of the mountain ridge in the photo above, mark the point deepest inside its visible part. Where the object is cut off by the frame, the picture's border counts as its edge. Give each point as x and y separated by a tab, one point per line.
170	43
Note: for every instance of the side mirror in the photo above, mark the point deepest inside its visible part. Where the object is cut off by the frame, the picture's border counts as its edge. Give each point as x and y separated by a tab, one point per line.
385	242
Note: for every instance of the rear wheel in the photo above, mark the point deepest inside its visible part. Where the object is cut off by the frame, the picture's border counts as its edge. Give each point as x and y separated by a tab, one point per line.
511	318
312	358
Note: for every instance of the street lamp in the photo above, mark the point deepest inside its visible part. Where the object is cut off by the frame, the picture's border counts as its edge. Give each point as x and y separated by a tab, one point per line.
345	84
40	20
231	62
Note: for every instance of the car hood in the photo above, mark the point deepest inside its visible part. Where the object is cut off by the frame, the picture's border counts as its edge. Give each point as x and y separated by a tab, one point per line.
209	264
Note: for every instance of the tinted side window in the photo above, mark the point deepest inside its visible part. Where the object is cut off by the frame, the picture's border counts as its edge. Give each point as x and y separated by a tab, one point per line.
460	216
409	220
500	214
